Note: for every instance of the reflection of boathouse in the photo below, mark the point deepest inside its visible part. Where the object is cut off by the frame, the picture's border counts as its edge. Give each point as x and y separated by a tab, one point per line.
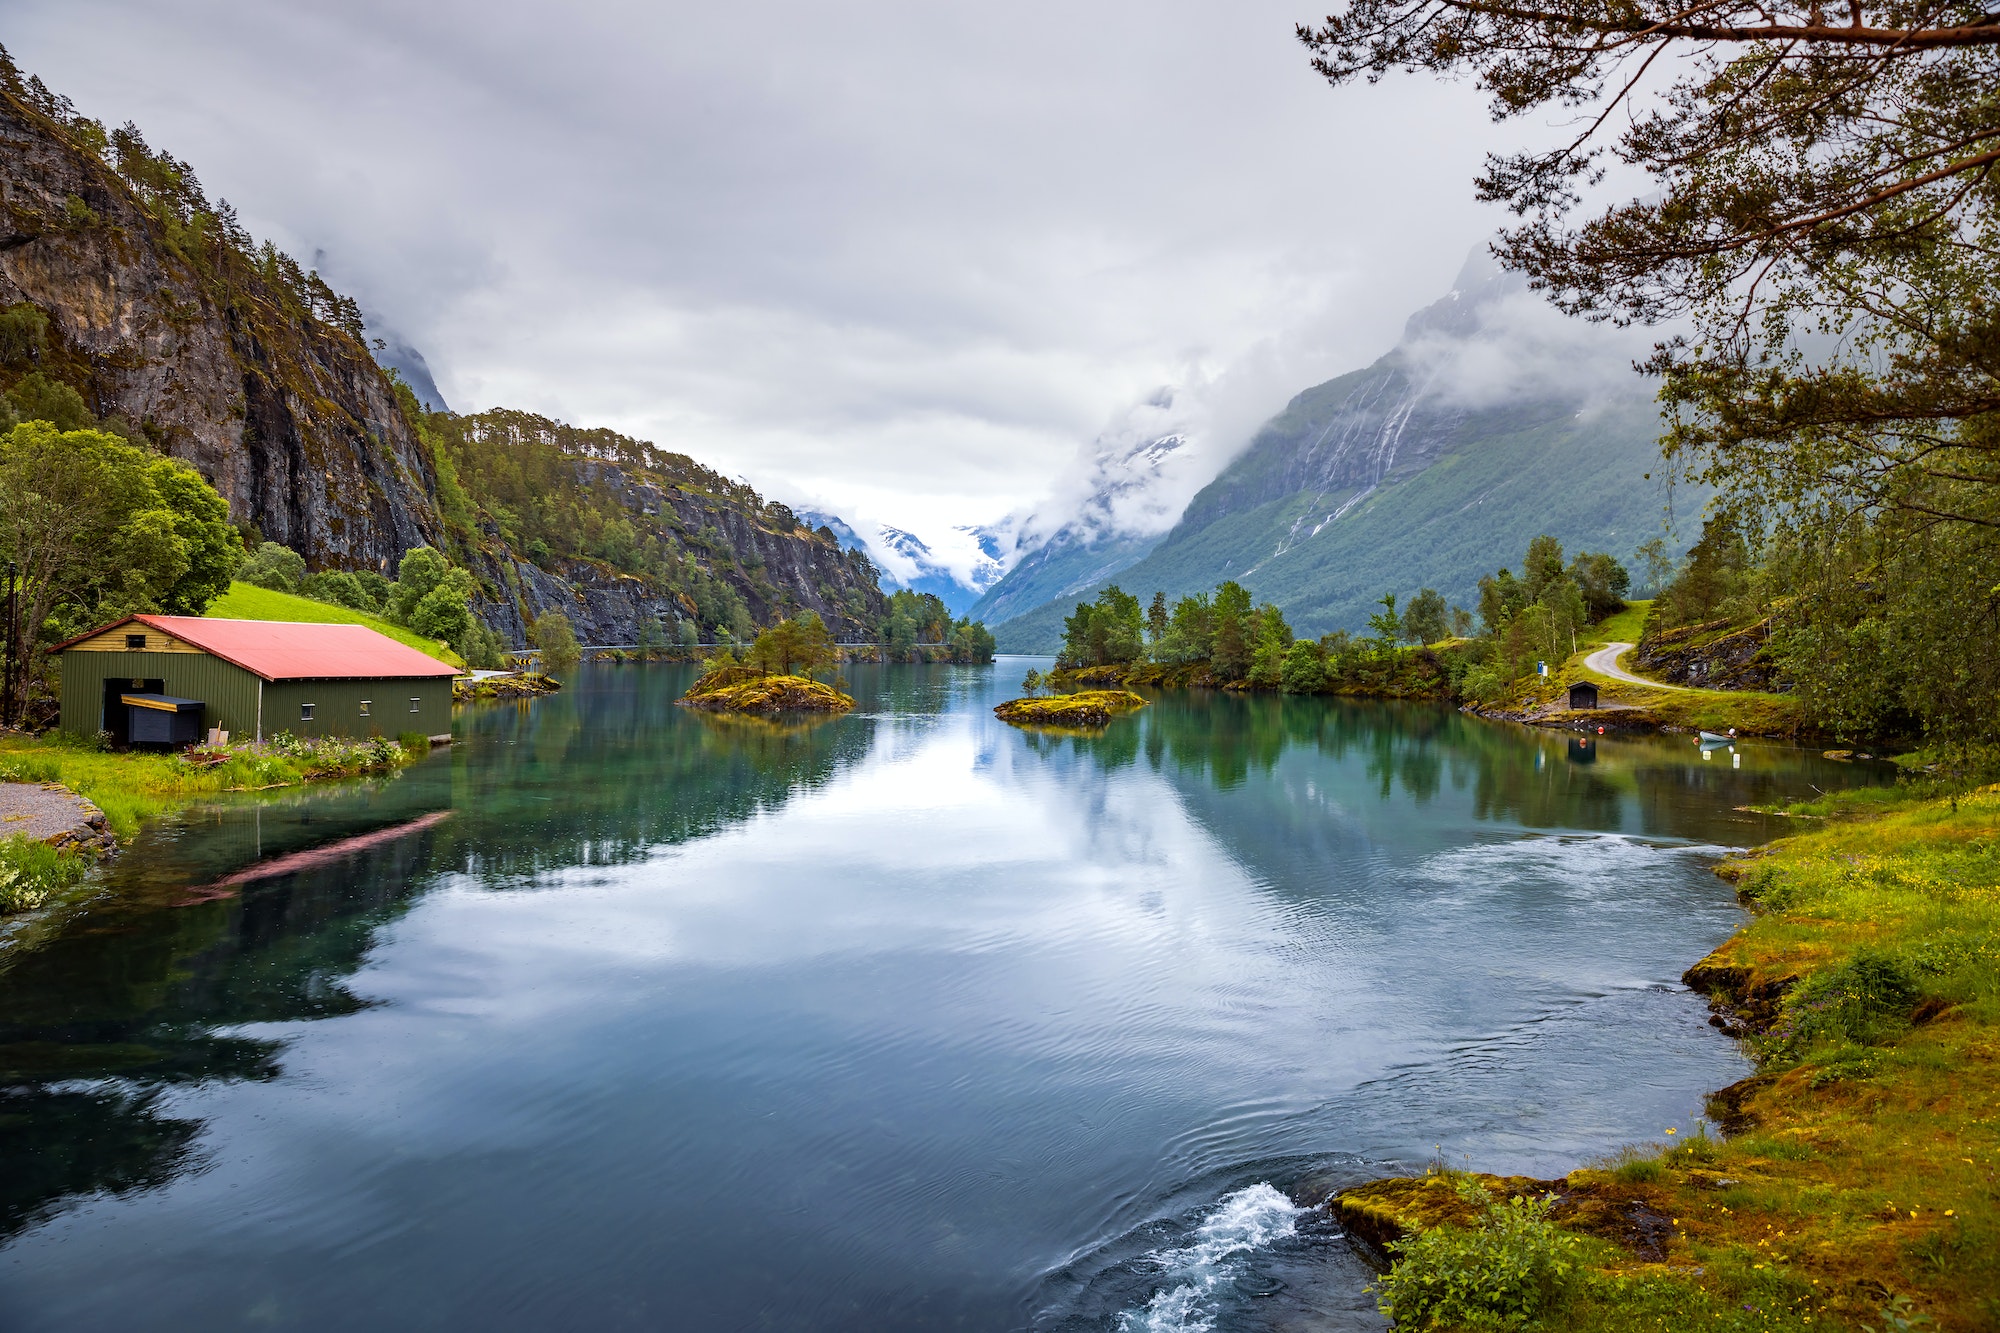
1582	750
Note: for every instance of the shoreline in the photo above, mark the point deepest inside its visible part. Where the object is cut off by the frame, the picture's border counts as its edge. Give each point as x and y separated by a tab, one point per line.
1854	1181
111	795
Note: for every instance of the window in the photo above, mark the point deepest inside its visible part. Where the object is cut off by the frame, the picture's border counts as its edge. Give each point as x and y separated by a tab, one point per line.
416	705
306	712
135	641
364	706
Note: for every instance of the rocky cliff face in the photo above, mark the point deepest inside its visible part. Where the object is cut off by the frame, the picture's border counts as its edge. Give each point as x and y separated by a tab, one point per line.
186	341
174	328
796	568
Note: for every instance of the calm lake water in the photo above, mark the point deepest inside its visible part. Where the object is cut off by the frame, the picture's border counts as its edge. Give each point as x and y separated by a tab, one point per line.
905	1020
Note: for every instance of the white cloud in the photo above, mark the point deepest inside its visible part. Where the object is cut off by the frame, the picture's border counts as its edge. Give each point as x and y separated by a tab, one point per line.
897	255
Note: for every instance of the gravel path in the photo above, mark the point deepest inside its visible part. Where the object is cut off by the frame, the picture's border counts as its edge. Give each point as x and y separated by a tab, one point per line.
46	813
1605	662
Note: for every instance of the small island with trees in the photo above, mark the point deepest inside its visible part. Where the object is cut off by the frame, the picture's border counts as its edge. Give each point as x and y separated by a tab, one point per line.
775	675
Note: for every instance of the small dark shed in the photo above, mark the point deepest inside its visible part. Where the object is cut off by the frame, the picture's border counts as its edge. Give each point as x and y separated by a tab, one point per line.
161	719
1583	694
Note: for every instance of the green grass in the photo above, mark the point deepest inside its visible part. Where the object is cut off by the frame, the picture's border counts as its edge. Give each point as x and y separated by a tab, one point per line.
32	872
1858	1189
133	787
247	601
1625	627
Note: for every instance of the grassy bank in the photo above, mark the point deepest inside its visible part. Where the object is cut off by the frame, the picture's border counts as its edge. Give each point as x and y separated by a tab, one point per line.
247	601
1856	1186
135	786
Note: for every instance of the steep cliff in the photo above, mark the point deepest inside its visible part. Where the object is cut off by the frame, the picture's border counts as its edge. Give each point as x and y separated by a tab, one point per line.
164	321
174	327
613	531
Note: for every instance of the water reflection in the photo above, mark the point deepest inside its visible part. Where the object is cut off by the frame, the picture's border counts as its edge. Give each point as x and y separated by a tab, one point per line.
887	1021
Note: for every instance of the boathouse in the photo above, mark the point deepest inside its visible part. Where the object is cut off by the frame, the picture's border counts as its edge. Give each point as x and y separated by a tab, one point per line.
1583	694
172	679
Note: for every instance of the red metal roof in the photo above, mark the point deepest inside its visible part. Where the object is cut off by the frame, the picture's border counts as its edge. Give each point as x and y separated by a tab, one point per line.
295	650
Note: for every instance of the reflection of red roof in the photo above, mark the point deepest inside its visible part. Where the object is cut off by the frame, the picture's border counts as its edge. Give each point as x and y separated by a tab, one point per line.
294	650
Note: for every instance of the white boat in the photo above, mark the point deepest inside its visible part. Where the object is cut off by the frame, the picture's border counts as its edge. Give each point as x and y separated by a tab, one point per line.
1709	738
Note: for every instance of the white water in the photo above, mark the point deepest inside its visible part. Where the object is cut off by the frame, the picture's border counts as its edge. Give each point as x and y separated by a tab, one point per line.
1248	1220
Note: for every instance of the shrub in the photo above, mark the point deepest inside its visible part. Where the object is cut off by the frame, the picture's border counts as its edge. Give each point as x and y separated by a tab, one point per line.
33	872
1861	1002
1508	1272
275	566
415	742
1304	670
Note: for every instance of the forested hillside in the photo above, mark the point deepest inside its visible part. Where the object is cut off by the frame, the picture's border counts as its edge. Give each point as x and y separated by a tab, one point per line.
1390	478
132	302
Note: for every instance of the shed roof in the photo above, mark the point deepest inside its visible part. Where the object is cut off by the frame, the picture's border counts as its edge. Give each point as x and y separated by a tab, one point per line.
293	650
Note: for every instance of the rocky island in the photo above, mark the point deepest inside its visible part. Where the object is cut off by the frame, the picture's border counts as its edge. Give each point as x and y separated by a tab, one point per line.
1086	708
740	689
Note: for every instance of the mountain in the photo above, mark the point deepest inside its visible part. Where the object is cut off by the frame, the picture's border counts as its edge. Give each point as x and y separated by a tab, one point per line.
1111	511
908	561
397	355
1491	421
173	326
911	563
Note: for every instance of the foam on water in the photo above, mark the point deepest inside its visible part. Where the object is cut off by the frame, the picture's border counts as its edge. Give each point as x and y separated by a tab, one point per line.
1243	1222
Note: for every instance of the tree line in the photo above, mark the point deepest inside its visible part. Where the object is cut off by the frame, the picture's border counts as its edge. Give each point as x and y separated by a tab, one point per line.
1228	639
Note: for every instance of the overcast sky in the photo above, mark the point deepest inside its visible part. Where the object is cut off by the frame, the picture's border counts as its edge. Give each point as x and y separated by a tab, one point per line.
903	257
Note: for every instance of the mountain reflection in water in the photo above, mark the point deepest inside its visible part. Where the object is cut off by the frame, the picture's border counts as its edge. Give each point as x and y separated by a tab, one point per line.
882	1021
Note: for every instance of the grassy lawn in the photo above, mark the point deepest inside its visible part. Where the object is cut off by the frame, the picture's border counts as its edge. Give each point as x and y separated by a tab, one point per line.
247	601
1625	627
1858	1186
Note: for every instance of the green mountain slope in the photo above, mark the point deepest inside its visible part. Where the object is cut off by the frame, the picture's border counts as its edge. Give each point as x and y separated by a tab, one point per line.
1382	481
1059	571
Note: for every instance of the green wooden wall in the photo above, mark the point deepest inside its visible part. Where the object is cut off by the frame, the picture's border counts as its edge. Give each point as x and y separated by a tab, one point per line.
232	696
229	691
337	707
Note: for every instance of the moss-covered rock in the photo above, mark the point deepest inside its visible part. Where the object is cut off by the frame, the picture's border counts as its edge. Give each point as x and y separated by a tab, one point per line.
1089	708
742	690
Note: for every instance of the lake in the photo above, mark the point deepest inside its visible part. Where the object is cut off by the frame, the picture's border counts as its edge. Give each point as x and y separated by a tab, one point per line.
631	1018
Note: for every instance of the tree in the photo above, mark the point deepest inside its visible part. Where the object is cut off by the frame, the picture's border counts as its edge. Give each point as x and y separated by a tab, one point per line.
1274	641
899	636
1658	562
100	529
1426	620
800	644
1107	630
1388	626
1232	644
36	397
1156	617
418	574
1541	567
1031	684
1501	598
551	633
1715	580
1304	670
1801	169
1461	622
1602	581
972	643
274	565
